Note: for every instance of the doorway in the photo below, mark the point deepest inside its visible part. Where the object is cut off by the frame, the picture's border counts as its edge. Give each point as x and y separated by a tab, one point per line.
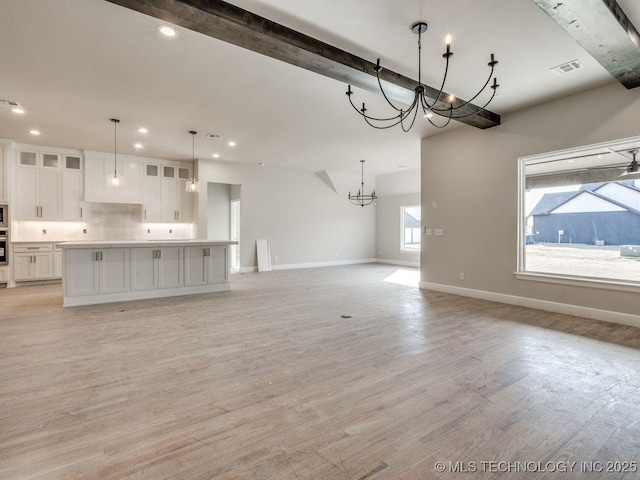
223	217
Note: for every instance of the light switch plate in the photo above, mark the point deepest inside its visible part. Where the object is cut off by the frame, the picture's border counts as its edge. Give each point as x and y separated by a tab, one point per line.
439	231
428	231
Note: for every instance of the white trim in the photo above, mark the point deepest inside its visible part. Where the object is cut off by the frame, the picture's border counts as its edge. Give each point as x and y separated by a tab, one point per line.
248	269
74	301
588	282
336	263
398	262
574	310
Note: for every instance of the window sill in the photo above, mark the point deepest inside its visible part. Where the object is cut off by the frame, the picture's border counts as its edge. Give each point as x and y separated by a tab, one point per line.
579	281
410	252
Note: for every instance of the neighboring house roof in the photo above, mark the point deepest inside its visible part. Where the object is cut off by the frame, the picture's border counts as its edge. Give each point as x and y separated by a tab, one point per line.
551	202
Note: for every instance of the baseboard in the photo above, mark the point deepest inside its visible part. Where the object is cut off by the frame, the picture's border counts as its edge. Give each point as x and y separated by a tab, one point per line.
574	310
401	263
336	263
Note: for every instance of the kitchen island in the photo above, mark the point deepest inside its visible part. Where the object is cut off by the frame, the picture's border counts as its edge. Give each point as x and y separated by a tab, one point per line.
114	271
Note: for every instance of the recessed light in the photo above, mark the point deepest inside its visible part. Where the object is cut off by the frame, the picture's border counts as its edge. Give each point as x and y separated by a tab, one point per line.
17	110
34	132
137	145
262	164
143	130
232	144
167	31
216	155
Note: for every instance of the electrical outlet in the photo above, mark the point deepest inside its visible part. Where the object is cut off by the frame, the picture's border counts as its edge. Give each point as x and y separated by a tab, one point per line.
275	258
44	231
461	275
170	231
84	231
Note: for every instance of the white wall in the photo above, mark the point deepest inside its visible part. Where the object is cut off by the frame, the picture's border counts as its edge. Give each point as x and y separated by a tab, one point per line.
394	191
305	221
477	206
398	183
389	226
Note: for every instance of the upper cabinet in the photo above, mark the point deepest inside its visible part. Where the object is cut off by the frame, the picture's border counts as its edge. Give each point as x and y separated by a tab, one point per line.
165	195
98	166
72	187
39	176
50	184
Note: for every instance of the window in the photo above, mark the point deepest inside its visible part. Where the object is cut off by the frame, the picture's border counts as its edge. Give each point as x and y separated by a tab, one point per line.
580	214
410	229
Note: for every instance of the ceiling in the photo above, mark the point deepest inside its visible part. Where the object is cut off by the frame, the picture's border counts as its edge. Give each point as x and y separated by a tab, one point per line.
74	64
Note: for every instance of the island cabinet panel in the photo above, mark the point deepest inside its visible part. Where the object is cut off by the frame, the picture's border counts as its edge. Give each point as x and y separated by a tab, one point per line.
103	272
206	265
195	271
156	267
82	279
113	269
218	265
169	267
92	272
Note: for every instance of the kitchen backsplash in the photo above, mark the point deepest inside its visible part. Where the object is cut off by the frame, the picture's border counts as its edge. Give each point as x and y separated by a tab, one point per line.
108	222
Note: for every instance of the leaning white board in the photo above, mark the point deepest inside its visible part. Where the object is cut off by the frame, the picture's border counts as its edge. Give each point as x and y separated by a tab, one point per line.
264	255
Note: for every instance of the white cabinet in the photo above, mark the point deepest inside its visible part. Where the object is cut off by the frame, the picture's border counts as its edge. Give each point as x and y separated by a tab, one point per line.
39	179
32	262
96	271
151	186
4	274
3	176
97	168
57	262
156	267
165	195
72	188
205	265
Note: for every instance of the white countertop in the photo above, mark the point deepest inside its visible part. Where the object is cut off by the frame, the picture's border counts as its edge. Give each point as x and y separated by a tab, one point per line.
142	243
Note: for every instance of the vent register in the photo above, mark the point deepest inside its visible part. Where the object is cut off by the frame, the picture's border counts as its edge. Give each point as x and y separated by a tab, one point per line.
567	67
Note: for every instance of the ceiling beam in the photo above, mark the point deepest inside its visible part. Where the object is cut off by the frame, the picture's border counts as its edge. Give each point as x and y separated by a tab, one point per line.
221	20
604	31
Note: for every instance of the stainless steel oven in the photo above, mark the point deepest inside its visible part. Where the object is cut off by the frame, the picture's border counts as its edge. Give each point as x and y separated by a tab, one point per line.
4	246
4	216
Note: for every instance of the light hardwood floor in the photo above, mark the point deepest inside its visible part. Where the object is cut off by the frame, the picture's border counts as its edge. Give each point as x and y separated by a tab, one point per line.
269	381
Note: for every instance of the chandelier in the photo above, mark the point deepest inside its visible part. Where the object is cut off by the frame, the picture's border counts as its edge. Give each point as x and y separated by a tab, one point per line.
406	117
362	199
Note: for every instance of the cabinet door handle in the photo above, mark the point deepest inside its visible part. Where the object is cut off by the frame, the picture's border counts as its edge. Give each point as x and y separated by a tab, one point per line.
159	254
81	215
206	252
100	256
145	214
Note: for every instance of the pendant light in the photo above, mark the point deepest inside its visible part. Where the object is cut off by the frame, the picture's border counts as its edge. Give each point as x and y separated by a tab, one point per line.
115	180
192	184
